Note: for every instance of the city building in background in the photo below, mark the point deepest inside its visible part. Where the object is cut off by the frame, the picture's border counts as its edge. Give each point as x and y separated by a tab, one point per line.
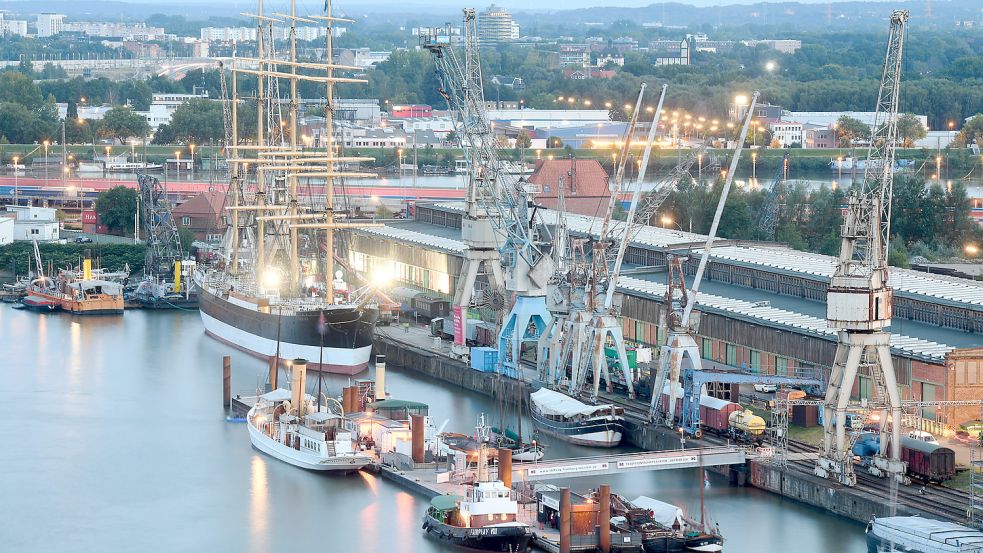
495	26
50	24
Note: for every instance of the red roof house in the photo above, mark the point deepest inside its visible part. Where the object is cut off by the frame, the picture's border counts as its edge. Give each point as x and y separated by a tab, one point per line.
204	215
585	183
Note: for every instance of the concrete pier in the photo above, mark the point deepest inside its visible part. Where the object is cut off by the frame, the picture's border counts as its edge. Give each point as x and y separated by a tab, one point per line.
416	352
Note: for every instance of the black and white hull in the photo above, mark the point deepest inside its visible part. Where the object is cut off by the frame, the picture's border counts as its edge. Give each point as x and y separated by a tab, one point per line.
346	340
570	420
513	537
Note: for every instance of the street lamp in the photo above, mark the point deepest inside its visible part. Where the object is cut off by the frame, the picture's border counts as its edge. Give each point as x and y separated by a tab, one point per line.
699	161
839	164
754	165
192	148
938	167
46	144
177	155
400	152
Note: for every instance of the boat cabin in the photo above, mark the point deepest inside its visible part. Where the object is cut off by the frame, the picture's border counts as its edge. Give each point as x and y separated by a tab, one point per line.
488	504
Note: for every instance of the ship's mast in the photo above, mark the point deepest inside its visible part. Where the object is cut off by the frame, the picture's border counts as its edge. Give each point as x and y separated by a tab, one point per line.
329	144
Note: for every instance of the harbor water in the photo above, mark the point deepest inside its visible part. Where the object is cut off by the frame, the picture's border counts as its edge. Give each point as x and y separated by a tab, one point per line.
115	439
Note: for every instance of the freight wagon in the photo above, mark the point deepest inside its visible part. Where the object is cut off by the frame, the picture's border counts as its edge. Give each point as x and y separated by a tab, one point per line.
926	462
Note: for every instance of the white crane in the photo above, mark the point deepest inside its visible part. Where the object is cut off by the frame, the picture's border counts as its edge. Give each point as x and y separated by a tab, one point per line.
859	302
681	341
500	213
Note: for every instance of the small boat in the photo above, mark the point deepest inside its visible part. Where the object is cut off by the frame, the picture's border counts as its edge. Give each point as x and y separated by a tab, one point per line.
570	420
663	526
40	304
921	535
469	445
485	520
288	425
132	167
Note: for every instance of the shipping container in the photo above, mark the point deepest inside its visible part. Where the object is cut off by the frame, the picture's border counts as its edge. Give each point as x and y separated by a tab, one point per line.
484	359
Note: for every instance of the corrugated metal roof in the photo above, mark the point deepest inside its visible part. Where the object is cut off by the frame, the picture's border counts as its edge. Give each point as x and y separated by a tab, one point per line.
761	314
952	290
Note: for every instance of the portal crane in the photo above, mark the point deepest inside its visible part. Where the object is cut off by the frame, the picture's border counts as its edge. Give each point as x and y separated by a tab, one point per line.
462	88
500	215
600	315
859	302
679	304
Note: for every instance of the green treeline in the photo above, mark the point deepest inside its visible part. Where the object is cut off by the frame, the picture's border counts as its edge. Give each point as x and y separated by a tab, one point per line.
60	256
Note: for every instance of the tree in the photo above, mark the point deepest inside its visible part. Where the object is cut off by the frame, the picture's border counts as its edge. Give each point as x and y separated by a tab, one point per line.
199	121
187	237
849	129
972	131
523	140
121	123
116	208
554	142
910	129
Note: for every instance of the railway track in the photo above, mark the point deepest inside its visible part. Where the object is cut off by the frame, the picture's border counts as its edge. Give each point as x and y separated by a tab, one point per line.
930	499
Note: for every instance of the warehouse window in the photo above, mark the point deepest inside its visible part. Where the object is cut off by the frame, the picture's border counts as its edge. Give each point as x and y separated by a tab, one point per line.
781	366
755	361
707	347
731	355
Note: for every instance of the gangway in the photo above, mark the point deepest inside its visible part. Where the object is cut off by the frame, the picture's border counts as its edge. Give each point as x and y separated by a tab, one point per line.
604	465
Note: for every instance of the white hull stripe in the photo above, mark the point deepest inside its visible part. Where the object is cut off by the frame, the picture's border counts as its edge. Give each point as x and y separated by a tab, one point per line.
343	360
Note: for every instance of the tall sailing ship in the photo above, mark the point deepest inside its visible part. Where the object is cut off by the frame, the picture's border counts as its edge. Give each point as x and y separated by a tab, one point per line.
272	291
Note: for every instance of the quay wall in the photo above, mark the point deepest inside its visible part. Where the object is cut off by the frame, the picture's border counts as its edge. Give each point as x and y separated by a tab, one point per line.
798	486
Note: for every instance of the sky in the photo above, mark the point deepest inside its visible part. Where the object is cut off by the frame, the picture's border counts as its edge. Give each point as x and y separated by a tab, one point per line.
370	5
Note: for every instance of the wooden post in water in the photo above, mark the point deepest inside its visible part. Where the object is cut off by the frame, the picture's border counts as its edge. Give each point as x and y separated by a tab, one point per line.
605	521
227	381
417	445
564	520
505	466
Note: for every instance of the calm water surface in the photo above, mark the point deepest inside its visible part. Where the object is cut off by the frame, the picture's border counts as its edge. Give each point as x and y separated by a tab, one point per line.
115	440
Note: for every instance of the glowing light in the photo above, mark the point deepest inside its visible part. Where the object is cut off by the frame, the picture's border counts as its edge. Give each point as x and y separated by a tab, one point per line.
271	277
771	66
971	249
740	99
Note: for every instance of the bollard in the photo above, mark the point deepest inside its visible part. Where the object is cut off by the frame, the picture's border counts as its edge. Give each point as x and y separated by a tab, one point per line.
505	466
416	430
605	523
227	381
564	520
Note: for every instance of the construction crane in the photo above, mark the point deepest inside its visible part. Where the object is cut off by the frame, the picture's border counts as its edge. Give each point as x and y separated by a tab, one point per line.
773	201
500	214
859	302
159	228
462	88
679	303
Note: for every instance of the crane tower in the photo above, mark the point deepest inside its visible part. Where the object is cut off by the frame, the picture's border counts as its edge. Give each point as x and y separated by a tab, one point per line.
859	301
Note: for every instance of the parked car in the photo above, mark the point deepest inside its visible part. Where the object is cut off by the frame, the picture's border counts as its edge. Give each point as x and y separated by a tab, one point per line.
965	437
766	388
83	240
923	436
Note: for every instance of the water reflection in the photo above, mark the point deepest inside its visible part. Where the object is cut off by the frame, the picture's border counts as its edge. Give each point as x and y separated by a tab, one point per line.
136	435
258	506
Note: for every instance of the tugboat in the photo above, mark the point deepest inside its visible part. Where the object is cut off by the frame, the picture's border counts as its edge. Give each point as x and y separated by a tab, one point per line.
486	520
290	426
